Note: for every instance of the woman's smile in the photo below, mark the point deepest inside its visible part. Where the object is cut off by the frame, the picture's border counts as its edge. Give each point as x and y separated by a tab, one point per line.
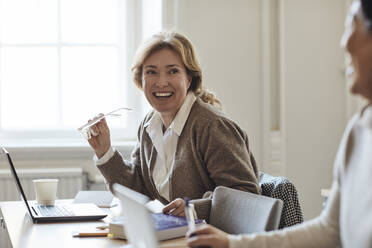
162	95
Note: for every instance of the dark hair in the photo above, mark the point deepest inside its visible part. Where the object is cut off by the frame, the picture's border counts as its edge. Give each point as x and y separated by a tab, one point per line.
367	12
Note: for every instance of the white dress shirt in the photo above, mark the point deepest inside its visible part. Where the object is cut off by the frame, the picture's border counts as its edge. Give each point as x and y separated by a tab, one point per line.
165	144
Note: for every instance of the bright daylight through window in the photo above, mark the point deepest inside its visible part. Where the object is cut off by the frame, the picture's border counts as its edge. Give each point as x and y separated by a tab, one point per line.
64	61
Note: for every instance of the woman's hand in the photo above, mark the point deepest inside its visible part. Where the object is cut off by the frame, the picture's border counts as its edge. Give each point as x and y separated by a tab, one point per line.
176	207
100	138
208	236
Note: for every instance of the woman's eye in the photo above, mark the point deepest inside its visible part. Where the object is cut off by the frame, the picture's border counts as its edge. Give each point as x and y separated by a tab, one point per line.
173	71
150	72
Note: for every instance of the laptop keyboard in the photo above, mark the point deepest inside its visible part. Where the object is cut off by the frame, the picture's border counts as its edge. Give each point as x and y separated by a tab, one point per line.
56	210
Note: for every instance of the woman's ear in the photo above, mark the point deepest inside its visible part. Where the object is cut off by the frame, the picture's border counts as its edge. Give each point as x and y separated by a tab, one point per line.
189	78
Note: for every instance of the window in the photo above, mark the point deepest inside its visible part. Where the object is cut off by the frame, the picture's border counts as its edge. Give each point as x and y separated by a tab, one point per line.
64	61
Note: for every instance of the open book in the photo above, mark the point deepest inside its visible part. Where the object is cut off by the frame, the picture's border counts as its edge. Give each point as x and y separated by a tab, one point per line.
166	226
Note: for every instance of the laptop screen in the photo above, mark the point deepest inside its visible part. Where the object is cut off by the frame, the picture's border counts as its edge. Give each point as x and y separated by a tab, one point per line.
18	183
139	226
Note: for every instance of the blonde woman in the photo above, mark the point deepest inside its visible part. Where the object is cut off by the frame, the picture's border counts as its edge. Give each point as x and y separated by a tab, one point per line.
186	146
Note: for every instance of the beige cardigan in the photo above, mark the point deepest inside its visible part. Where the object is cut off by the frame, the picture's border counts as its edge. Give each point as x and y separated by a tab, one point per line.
211	151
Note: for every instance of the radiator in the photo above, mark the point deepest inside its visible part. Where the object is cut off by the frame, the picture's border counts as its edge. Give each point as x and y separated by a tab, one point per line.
71	181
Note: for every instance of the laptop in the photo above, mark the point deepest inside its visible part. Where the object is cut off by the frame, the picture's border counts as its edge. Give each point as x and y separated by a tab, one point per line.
58	212
139	227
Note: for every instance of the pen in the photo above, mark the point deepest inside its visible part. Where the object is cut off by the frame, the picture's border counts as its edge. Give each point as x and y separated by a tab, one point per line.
189	215
189	209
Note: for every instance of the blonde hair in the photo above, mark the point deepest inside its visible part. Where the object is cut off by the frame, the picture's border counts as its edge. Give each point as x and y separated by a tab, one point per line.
182	46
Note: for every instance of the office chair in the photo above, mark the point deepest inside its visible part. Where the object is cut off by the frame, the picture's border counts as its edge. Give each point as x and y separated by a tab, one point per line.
235	211
281	188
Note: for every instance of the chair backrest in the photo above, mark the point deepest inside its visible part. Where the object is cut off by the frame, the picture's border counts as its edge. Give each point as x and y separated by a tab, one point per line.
282	188
235	211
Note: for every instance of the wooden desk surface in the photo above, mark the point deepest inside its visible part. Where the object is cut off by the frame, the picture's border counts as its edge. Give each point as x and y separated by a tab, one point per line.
24	233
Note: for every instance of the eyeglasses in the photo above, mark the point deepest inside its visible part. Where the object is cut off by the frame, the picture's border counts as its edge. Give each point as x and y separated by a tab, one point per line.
85	129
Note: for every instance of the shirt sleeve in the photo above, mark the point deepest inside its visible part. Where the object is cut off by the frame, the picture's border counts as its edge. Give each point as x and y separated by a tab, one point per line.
105	158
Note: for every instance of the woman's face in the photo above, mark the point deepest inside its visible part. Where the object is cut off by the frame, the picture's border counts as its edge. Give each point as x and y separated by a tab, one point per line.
165	81
357	42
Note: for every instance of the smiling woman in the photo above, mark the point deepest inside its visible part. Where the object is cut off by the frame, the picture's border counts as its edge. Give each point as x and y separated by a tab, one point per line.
186	146
165	83
183	49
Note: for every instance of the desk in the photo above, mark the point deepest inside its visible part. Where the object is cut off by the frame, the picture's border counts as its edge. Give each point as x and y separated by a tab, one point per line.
24	233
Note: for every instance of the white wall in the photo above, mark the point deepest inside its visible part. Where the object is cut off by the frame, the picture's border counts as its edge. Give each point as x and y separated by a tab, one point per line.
227	40
313	99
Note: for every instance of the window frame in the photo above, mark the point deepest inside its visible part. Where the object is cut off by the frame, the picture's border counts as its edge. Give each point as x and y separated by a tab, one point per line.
59	142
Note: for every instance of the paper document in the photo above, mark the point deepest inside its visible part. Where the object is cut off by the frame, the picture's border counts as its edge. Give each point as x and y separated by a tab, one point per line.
103	199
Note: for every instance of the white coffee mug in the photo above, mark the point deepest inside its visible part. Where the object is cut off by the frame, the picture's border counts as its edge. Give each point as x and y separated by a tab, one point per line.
46	191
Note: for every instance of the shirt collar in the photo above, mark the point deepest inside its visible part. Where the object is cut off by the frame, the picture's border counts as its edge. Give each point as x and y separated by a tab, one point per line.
154	122
179	121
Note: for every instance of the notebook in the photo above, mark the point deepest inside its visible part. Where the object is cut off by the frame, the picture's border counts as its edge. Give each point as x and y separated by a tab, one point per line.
103	199
166	226
58	212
